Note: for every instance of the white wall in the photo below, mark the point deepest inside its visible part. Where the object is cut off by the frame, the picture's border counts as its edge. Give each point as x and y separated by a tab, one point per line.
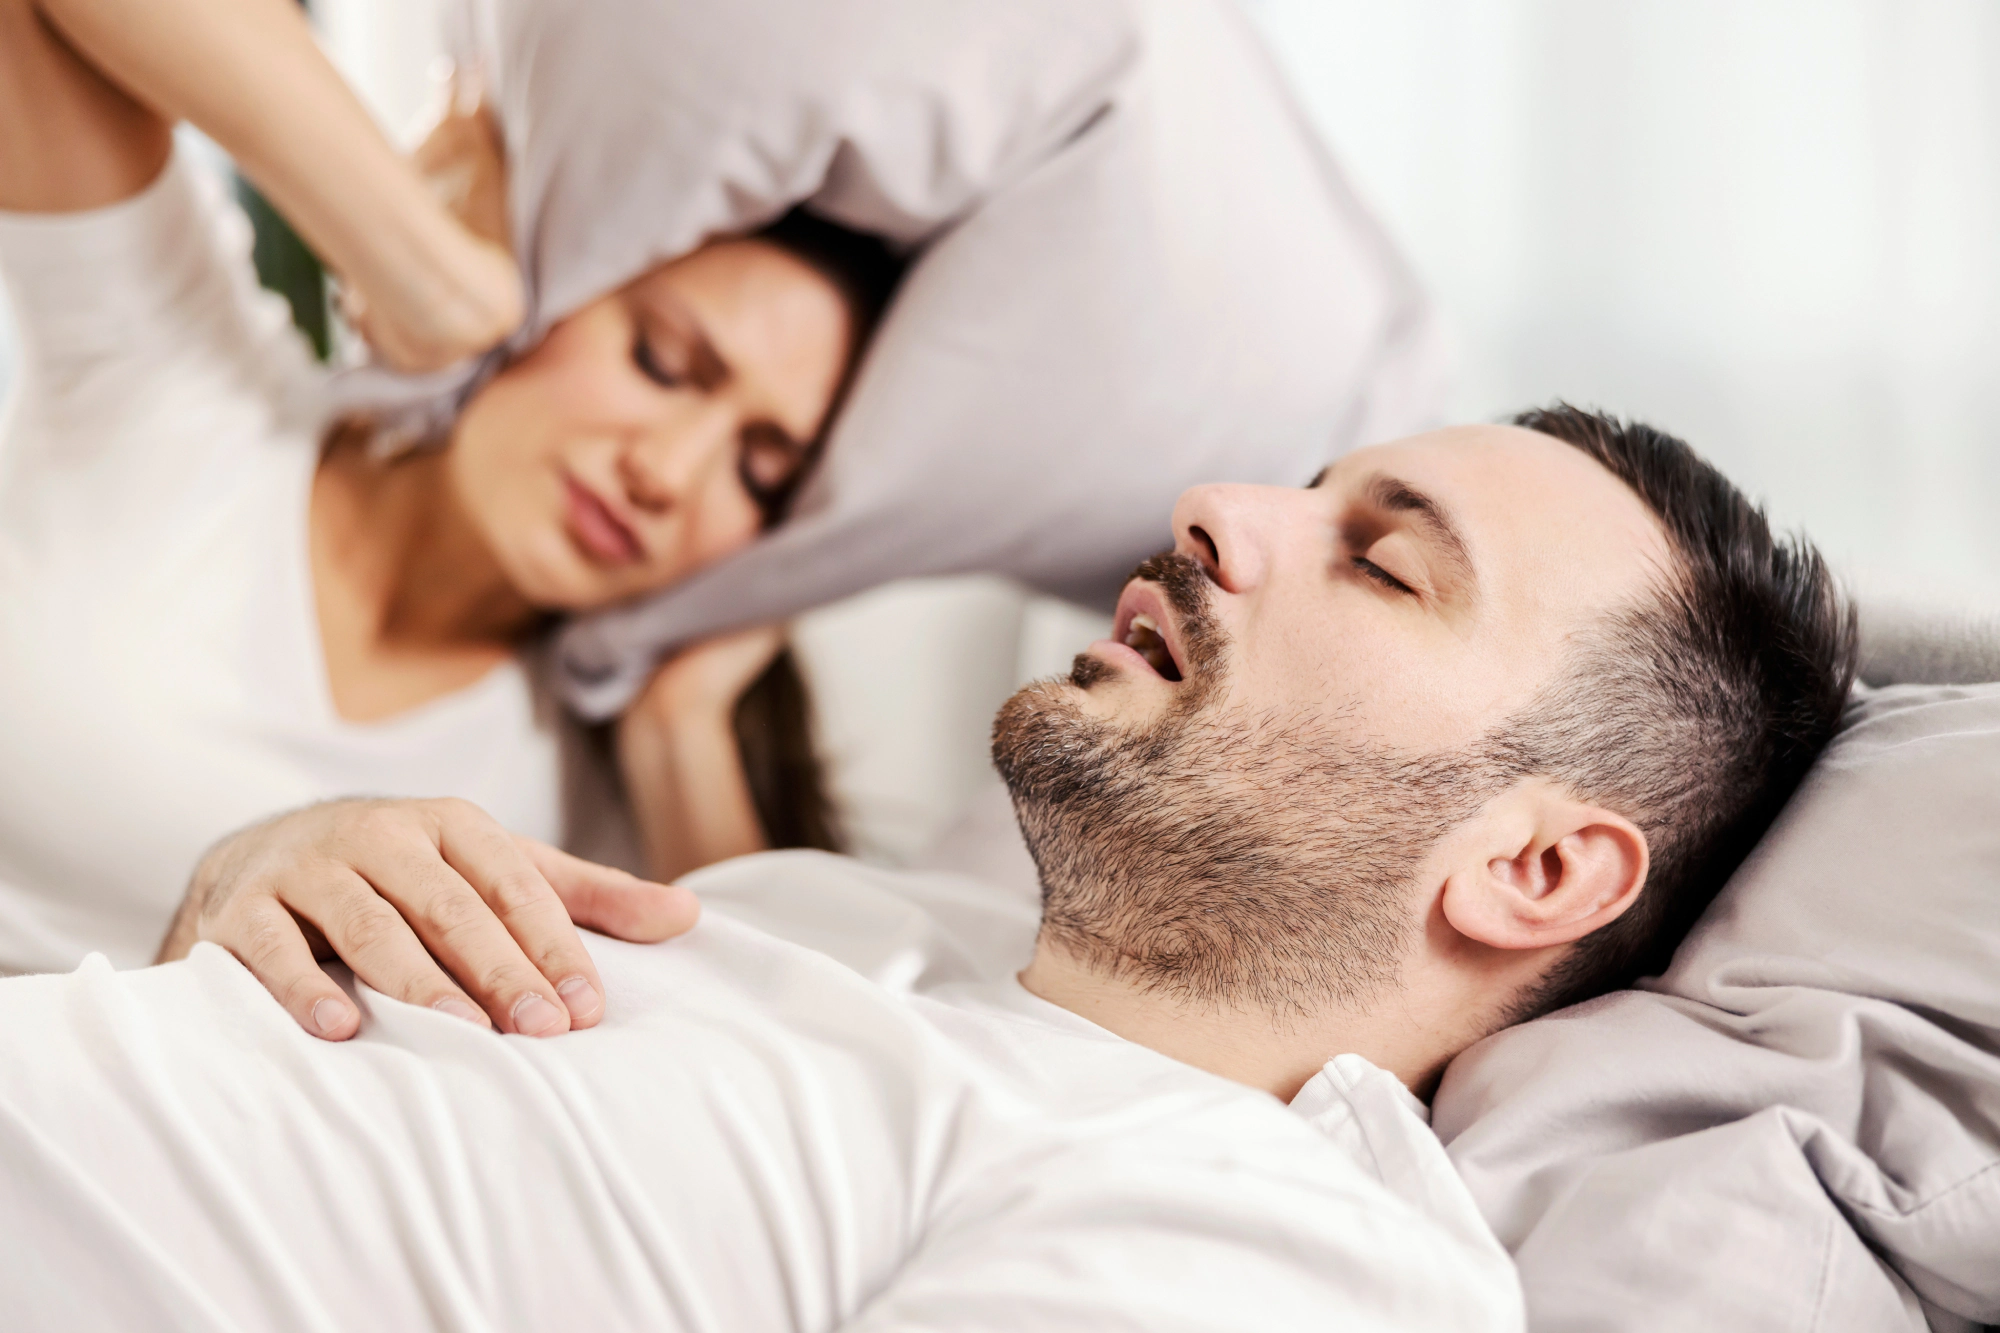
1771	227
388	50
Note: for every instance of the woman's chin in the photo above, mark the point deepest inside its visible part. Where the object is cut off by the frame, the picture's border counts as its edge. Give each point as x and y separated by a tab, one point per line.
569	581
560	580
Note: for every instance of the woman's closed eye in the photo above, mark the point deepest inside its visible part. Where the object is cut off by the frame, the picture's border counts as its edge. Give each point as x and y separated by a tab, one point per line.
650	363
671	349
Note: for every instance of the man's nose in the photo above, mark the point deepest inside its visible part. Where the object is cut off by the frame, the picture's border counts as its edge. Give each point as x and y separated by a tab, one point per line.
1236	531
660	468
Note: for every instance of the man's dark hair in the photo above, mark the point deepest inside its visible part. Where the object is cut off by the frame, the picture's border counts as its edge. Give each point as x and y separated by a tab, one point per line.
1695	714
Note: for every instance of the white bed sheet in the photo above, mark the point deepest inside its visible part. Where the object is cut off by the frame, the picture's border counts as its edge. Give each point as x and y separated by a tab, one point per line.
758	1137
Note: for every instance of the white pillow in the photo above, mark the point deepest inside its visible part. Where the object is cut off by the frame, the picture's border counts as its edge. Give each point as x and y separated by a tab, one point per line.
1140	270
1803	1115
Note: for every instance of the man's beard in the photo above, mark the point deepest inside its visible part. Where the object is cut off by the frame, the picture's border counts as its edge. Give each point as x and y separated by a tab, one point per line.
1221	856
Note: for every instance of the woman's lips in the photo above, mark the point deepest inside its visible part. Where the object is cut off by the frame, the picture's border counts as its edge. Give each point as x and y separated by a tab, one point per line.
598	532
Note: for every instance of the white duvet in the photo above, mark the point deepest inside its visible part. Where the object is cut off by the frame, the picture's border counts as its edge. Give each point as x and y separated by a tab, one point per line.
757	1137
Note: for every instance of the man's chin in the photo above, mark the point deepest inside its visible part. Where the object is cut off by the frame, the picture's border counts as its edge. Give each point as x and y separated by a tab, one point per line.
1044	737
1089	669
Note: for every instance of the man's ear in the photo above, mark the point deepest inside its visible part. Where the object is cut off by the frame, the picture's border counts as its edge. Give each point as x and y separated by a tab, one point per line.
1544	870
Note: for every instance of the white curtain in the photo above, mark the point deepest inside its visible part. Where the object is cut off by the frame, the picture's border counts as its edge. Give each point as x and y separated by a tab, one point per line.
1773	228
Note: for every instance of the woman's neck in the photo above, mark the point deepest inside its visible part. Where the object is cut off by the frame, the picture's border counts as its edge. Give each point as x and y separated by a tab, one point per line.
398	562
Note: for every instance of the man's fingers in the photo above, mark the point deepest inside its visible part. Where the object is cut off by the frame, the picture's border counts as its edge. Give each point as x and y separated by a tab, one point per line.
269	942
612	901
379	946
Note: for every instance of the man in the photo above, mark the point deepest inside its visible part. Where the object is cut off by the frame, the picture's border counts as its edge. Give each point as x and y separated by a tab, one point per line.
1472	727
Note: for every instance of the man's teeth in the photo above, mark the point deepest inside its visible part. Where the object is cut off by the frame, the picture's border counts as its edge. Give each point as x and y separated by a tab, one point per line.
1143	637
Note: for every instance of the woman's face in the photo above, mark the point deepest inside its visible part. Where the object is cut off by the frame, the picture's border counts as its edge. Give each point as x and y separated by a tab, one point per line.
651	431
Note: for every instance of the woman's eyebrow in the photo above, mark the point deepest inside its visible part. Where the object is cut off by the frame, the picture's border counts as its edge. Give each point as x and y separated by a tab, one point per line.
706	366
1395	496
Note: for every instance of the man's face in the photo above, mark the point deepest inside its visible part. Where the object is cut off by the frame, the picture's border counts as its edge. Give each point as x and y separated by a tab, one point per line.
1234	796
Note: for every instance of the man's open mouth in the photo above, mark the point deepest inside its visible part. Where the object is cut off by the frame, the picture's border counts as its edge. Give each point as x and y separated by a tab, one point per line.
1145	624
1143	637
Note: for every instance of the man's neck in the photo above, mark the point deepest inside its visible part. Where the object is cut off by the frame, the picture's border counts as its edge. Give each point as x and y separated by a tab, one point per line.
1246	1044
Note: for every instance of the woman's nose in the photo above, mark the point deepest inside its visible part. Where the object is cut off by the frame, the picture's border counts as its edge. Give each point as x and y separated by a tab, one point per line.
660	468
1235	531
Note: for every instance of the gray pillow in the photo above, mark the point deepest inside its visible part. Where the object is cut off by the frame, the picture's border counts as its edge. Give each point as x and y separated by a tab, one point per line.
1909	645
1139	270
1798	1126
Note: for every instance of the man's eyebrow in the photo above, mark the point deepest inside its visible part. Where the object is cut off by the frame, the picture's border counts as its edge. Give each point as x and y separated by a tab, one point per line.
1399	497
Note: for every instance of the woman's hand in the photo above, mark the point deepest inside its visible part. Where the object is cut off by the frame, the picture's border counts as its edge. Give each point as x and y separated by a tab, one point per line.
410	894
462	161
677	751
704	683
476	300
460	298
429	290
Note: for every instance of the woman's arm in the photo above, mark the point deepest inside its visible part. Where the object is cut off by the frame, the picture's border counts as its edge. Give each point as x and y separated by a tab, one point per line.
90	87
678	753
69	137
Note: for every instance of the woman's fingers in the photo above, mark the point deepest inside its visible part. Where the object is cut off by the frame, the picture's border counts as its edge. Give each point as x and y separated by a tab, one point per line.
269	942
617	903
429	901
461	160
523	901
482	926
712	674
377	945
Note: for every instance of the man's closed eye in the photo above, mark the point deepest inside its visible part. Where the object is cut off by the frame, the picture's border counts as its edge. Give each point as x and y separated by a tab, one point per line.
1382	576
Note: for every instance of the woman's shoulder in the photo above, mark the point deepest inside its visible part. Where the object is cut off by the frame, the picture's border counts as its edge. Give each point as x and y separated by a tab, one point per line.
93	279
145	349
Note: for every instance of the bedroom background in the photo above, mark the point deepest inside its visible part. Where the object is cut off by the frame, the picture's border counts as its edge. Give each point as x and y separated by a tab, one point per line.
1767	228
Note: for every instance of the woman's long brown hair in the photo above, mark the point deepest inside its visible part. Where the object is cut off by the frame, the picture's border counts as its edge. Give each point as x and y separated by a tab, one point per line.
774	717
774	735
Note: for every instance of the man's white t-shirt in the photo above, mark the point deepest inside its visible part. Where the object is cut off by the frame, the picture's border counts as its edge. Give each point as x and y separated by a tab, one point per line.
759	1136
161	676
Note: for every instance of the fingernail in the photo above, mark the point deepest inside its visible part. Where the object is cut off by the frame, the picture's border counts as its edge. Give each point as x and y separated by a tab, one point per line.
458	1008
580	997
536	1017
329	1016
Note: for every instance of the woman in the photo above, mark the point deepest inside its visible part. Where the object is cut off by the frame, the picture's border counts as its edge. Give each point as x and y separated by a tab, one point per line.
214	606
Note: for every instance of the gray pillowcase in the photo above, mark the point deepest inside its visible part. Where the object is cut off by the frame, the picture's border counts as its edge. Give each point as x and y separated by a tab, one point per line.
1798	1126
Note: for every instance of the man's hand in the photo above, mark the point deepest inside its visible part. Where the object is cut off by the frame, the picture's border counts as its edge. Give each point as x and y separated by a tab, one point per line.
410	894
